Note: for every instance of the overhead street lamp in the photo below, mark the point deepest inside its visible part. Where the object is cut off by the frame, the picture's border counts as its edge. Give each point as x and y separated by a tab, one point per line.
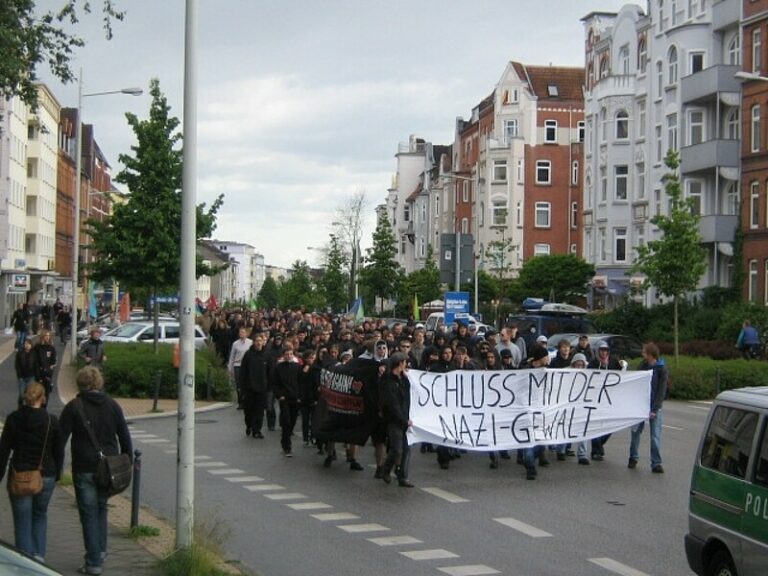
78	185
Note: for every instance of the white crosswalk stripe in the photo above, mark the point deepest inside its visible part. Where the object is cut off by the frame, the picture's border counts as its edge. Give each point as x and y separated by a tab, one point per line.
395	540
335	516
220	471
526	529
434	554
469	570
359	528
285	496
244	479
310	506
445	495
616	567
264	487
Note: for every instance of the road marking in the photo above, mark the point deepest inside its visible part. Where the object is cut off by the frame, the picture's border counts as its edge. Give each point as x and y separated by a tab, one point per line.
395	540
616	567
359	528
142	435
154	441
285	496
445	495
671	427
310	506
335	516
203	458
469	570
210	464
174	451
526	529
245	479
435	554
226	471
264	487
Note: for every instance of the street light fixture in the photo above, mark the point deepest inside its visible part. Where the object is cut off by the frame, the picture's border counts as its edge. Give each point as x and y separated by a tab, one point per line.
78	186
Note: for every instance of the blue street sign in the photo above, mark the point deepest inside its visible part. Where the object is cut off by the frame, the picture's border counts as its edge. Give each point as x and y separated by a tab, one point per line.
456	306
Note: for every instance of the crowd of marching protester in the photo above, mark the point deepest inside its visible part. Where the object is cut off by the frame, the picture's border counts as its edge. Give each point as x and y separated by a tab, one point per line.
276	361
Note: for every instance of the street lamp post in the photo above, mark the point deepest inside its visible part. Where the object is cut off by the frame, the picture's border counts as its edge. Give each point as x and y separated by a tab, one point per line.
476	237
78	188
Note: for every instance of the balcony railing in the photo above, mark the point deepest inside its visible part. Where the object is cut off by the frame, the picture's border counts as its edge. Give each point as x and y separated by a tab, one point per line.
725	14
706	85
710	154
718	228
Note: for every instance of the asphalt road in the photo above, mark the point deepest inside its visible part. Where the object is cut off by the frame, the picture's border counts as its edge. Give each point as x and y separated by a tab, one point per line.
280	516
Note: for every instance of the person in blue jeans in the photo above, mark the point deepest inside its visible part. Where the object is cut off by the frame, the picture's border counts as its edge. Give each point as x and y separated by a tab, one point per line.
659	382
95	409
33	436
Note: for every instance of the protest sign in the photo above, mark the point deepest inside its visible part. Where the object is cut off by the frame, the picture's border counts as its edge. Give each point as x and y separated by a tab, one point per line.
485	410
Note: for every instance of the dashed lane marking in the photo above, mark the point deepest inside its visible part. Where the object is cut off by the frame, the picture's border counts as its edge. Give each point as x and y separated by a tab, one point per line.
469	570
335	516
616	567
360	528
310	506
526	529
245	479
210	464
395	540
445	495
143	435
171	451
203	458
671	427
220	471
154	441
285	496
434	554
264	487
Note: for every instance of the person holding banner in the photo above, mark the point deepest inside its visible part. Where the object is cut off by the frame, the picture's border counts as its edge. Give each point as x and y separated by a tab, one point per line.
659	382
395	390
602	361
539	359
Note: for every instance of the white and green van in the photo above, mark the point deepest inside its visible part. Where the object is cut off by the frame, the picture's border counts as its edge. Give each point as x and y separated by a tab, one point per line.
728	507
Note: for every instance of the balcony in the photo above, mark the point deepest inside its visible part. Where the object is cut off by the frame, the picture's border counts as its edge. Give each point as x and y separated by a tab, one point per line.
708	155
725	14
705	85
616	85
718	228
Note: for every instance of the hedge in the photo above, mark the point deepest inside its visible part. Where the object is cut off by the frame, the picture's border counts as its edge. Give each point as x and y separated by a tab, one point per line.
131	371
698	378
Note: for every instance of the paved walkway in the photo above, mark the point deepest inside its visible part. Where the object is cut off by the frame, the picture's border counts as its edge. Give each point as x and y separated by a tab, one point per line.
127	556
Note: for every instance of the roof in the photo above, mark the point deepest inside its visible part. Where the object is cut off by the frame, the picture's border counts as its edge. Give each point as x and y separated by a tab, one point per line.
566	80
415	194
756	396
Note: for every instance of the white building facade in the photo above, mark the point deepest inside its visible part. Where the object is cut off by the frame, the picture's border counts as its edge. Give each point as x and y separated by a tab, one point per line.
245	280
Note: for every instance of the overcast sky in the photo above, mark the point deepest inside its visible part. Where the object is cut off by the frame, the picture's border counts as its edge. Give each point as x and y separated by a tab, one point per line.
303	102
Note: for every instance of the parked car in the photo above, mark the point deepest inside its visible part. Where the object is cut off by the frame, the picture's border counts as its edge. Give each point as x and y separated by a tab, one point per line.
728	502
531	326
144	332
437	319
13	561
103	321
625	347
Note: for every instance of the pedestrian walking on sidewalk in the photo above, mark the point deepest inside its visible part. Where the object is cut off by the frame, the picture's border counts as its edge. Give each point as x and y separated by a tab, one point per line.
33	436
25	368
92	350
95	409
44	353
20	324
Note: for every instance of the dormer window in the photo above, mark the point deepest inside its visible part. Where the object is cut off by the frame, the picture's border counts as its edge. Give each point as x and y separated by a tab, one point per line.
553	91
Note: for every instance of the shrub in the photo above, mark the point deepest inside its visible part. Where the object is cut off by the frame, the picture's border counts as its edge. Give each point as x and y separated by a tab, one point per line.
702	378
133	370
714	349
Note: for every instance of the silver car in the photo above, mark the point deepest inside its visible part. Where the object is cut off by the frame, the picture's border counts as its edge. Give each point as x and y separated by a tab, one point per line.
169	333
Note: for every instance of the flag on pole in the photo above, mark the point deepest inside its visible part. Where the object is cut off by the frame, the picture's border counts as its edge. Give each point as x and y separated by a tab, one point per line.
415	312
211	303
199	306
360	315
356	311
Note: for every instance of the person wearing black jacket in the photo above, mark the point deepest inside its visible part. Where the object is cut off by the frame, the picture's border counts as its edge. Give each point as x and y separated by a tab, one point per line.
34	438
395	391
25	368
20	324
309	389
254	384
602	361
45	361
288	394
95	409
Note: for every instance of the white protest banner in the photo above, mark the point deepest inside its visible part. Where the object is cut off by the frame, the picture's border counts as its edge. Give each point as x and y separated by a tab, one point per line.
485	410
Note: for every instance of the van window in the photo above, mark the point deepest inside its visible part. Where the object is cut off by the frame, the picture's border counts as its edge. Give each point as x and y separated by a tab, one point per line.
761	470
728	441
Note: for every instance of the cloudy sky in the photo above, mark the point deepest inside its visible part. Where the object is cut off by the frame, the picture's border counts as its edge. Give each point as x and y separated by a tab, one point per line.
303	102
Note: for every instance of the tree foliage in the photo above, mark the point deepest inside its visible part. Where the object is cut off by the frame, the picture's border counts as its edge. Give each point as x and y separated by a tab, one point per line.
139	244
382	274
333	283
564	277
298	290
423	283
269	295
28	40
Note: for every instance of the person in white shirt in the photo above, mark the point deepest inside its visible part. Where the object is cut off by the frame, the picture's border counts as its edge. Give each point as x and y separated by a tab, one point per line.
239	348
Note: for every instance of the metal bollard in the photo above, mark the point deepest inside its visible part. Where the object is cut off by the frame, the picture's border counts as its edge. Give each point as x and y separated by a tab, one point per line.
157	390
136	488
208	381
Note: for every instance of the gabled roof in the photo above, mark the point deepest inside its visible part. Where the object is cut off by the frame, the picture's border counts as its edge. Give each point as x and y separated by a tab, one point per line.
415	194
566	82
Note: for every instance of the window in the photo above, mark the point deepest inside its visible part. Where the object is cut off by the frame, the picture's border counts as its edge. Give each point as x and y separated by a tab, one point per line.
603	125
733	124
422	248
519	213
500	170
734	50
580	131
752	282
552	91
659	145
696	62
541	249
620	244
732	199
511	96
402	245
621	174
603	184
639	238
754	205
465	191
601	244
624	60
407	213
542	214
693	8
673	12
672	132
662	17
640	169
510	130
641	118
755	128
520	172
757	46
437	205
693	193
550	131
761	466
622	125
659	79
642	56
423	212
574	214
672	66
603	68
657	201
543	172
588	185
575	172
728	442
695	127
499	213
464	226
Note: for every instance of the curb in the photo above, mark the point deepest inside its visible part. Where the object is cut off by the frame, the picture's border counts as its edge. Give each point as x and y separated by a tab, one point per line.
211	408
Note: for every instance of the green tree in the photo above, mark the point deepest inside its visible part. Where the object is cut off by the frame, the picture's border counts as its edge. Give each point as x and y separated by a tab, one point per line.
674	263
29	39
298	290
562	276
269	295
139	244
333	283
424	283
382	274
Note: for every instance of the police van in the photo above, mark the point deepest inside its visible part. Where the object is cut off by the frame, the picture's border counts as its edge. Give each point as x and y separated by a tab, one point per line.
728	506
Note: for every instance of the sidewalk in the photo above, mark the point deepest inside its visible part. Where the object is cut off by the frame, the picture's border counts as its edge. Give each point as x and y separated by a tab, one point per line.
126	556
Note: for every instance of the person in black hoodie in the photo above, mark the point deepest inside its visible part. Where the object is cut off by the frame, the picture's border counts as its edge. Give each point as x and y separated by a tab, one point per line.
45	361
309	384
602	361
254	384
288	394
95	409
25	368
34	438
395	390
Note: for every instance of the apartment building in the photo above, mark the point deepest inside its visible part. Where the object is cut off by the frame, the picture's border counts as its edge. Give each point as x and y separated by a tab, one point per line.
658	81
250	271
